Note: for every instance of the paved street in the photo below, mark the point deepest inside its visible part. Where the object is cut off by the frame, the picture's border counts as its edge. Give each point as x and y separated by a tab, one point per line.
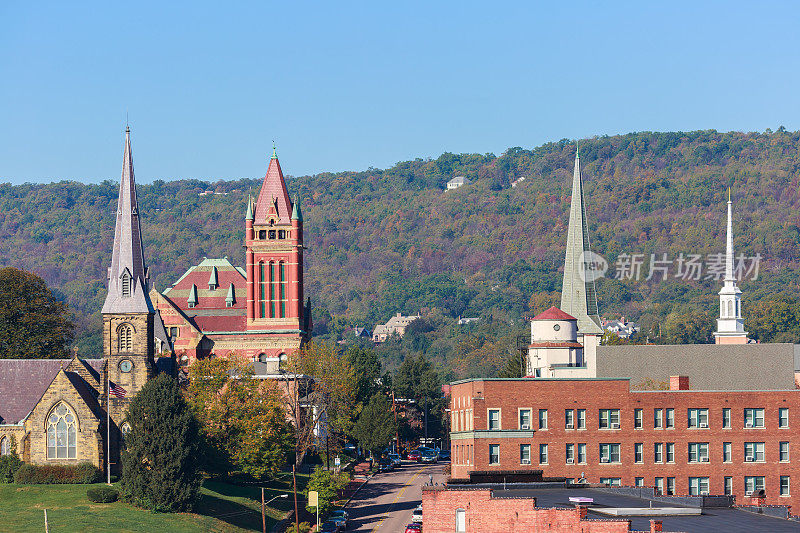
385	503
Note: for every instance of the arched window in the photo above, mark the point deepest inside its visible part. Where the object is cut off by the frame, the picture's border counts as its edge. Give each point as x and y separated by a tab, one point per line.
62	433
282	289
262	290
262	357
126	283
730	309
271	289
125	338
5	446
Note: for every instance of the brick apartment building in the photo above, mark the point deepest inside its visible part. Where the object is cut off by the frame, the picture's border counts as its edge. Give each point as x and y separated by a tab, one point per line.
679	441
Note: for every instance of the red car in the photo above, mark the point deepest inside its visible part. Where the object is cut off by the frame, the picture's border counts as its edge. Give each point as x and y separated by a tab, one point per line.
414	528
414	455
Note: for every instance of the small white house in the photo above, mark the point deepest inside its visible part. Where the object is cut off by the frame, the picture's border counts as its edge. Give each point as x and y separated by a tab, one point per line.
456	182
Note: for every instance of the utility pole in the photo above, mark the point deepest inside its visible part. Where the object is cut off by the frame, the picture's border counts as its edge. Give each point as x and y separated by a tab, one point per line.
296	516
263	516
396	429
426	421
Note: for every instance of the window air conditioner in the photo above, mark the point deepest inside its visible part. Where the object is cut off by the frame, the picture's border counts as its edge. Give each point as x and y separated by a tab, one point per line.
614	426
748	424
703	493
526	461
748	493
604	459
749	459
526	426
703	425
704	459
570	425
570	461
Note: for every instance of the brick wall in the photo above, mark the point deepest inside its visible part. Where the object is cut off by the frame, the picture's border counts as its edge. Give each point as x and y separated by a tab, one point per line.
484	513
557	396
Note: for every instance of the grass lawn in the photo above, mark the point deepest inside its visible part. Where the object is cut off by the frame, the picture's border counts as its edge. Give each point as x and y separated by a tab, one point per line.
223	508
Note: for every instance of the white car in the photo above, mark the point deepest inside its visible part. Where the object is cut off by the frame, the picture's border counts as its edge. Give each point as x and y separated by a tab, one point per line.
416	516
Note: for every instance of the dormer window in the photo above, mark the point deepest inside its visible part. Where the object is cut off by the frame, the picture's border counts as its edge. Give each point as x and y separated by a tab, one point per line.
271	234
126	283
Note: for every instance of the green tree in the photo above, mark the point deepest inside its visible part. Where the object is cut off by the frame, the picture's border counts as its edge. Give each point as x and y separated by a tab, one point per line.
33	323
327	484
160	462
514	366
375	426
242	418
367	369
416	378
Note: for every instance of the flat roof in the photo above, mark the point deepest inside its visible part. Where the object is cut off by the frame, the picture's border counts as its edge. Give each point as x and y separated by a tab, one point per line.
712	519
538	379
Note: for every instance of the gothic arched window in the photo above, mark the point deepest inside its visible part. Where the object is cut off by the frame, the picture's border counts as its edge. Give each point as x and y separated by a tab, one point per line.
126	283
5	446
62	433
125	338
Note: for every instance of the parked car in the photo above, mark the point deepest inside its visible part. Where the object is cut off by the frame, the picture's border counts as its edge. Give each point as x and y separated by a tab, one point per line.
341	516
444	455
414	528
414	455
329	526
395	459
416	516
429	456
385	464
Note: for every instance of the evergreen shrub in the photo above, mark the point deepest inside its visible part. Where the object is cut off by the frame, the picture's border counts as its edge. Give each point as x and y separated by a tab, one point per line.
102	494
9	464
161	459
82	473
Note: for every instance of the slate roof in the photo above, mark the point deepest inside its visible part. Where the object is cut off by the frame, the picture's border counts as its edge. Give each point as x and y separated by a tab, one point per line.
127	256
273	197
24	381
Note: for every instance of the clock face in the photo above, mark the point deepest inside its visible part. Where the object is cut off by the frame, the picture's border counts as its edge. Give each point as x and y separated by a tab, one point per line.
556	327
125	365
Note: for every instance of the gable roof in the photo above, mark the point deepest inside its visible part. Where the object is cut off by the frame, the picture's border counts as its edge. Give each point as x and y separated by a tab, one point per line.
24	381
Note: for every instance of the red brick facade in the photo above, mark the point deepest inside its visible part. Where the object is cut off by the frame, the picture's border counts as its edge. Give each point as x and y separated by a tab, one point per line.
483	513
673	452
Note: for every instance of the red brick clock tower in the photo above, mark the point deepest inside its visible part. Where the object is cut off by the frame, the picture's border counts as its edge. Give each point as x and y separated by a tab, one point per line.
274	256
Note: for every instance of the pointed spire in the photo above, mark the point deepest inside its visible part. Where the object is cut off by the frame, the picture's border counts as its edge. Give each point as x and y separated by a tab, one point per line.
127	293
213	283
297	214
274	152
230	299
192	300
578	296
249	215
730	326
273	196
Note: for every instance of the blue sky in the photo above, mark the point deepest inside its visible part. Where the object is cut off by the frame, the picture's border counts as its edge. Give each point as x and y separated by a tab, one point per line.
345	86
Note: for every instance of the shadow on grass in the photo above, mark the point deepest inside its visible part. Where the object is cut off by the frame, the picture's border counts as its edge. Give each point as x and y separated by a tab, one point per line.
232	512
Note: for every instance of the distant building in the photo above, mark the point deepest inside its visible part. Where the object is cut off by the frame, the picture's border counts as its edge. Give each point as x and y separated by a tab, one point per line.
517	181
622	328
396	324
456	182
467	320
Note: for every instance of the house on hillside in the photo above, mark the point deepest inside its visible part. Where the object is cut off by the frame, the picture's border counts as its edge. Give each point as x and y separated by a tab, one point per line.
517	181
621	327
456	182
396	324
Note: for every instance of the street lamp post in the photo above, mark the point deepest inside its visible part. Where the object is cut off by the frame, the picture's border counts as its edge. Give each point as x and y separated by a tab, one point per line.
263	505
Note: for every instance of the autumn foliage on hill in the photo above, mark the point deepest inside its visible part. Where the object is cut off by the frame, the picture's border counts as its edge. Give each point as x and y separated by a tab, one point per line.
394	240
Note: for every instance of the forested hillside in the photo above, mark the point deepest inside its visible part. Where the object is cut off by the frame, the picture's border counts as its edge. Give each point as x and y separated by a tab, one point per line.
387	241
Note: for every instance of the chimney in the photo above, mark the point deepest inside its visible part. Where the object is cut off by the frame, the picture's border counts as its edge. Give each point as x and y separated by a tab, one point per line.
656	525
679	383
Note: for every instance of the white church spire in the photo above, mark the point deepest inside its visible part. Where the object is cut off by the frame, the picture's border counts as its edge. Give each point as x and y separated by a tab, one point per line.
730	326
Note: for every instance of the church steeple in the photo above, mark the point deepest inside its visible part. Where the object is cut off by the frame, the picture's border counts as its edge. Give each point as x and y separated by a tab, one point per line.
730	326
578	296
127	277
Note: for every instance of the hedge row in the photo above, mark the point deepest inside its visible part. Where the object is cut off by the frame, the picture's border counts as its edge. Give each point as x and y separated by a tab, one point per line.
54	474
